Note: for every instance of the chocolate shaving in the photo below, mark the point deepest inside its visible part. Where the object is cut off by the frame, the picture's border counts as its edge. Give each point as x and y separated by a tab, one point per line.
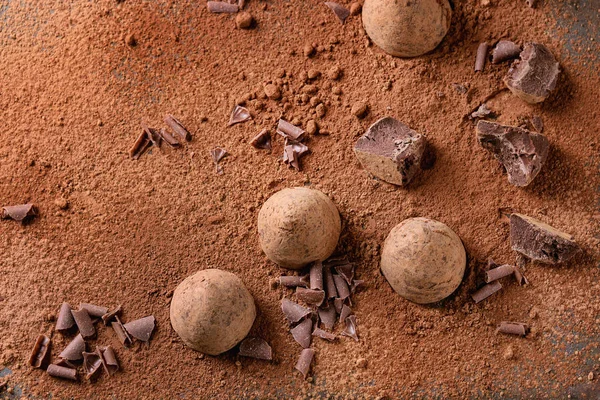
327	315
40	355
304	361
262	140
84	323
499	272
505	50
341	286
57	371
310	296
294	280
222	7
345	312
217	155
481	57
357	284
294	312
167	137
513	328
340	11
65	320
338	305
93	310
302	332
292	152
91	364
121	333
140	146
20	212
152	134
346	271
350	329
486	291
111	364
74	350
329	283
256	348
142	328
110	315
324	334
239	115
178	128
290	131
65	363
520	278
316	275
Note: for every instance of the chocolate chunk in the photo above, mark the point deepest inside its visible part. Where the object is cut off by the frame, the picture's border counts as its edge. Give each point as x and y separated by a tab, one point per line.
167	137
111	364
302	332
65	320
481	58
40	355
294	312
74	350
294	281
142	328
521	152
310	296
110	315
256	348
121	333
499	272
324	334
350	329
391	151
217	155
93	310
57	371
178	128
316	276
139	147
346	271
340	11
519	277
330	290
222	7
486	291
290	131
513	328
238	115
539	241
84	323
341	286
91	364
262	140
505	50
304	361
327	315
534	75
21	212
345	313
482	112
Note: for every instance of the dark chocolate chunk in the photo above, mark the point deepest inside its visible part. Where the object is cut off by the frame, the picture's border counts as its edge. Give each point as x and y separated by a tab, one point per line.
92	362
498	272
341	286
481	58
327	315
294	312
513	328
304	361
294	280
20	212
391	151
178	128
121	333
217	155
141	144
521	152
167	137
539	241
109	316
262	140
505	50
316	275
222	7
350	329
330	290
534	75
74	350
486	291
57	371
84	323
238	115
111	364
142	328
65	320
302	332
310	296
324	334
339	10
256	348
346	271
40	355
290	131
93	310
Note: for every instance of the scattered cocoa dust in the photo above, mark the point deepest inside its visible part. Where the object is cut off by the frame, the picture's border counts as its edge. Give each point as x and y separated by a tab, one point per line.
73	93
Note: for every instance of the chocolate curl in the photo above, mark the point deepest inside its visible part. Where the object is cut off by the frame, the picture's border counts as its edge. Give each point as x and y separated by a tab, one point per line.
93	310
57	371
316	276
142	328
357	284
256	348
178	128
91	364
140	145
110	315
217	155
345	313
65	363
262	140
167	137
294	281
482	52
40	355
347	271
338	304
239	115
341	286
304	361
65	320
327	316
302	332
340	11
513	328
499	272
324	334
20	212
309	296
520	278
111	364
222	7
74	350
505	50
290	131
294	312
486	291
84	323
121	333
330	289
350	330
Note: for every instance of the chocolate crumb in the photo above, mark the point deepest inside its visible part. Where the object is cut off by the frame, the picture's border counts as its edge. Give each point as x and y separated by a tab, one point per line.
499	272
327	315
294	281
167	137
217	155
341	286
537	123
310	296
93	310
289	131
244	20
91	364
340	11
109	316
111	364
519	277
121	333
330	290
139	147
346	271
256	348
316	275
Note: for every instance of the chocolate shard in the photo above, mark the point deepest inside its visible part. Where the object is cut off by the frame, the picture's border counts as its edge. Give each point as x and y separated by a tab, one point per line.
290	131
345	312
534	75
536	123
304	361
350	329
302	332
391	151
222	7
318	332
341	286
109	316
539	241
167	137
141	144
486	291
238	115
40	355
294	312
142	328
513	328
256	348
20	212
327	315
93	310
58	371
330	290
292	151
84	323
481	58
339	10
65	320
310	296
177	127
74	350
346	271
338	305
357	284
521	152
505	50
498	272
152	134
120	331
262	140
65	363
316	275
111	364
294	280
482	112
92	362
519	277
217	155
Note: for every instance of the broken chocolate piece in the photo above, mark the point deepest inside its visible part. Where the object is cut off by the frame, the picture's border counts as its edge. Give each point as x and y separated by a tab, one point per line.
142	328
519	277
256	348
302	332
481	58
330	290
345	312
327	315
346	271
534	75
292	152
91	364
513	328
505	50
93	310
339	10
222	7
350	329
537	123
338	304
486	291
294	312
304	361
140	145
294	281
74	350
178	127
65	320
310	296
539	241
239	115
121	333
290	131
482	112
111	364
110	315
498	272
262	140
217	155
65	363
84	323
152	134
391	151
324	334
20	212
521	152
57	371
167	137
341	286
40	355
316	276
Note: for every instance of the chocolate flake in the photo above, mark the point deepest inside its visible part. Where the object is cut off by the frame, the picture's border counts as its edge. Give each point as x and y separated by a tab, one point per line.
217	155
539	241
324	334
340	11
256	348
91	364
505	50
58	371
346	271
294	280
338	305
310	296
327	315
486	291
345	312
93	310
74	350
341	286
302	332
20	212
110	315
65	363
350	329
519	277
498	272
111	364
142	328
329	283
239	115
294	312
152	135
140	146
178	127
290	131
513	328
65	320
84	323
222	7
167	137
482	52
537	124
316	276
121	333
40	355
262	140
521	152
304	361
